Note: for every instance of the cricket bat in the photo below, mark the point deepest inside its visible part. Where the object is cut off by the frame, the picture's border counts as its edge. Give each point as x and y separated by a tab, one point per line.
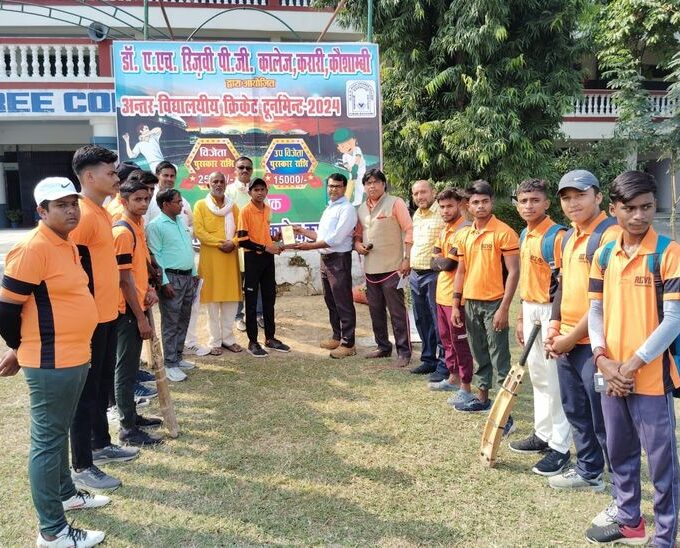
505	401
158	368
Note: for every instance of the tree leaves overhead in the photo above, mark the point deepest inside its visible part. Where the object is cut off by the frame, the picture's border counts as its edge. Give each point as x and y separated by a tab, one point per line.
472	88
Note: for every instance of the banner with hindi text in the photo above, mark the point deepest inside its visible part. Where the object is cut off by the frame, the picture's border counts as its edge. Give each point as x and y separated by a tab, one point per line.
300	111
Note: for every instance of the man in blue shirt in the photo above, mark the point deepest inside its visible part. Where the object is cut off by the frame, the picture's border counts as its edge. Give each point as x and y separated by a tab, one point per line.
169	240
334	240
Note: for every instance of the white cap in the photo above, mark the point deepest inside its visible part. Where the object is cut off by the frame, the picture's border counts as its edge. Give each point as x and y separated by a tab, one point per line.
53	188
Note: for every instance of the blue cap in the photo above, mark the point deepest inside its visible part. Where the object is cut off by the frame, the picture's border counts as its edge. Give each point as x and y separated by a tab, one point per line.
580	179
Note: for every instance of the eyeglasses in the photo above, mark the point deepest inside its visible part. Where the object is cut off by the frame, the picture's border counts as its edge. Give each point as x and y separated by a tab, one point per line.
244	168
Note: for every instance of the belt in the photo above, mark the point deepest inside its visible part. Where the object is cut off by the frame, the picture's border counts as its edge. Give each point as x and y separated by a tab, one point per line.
422	272
178	272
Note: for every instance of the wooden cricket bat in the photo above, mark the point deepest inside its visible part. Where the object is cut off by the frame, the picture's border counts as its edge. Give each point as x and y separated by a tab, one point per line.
505	401
158	368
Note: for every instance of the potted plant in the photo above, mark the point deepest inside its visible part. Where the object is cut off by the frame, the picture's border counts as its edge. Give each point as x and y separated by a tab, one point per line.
14	217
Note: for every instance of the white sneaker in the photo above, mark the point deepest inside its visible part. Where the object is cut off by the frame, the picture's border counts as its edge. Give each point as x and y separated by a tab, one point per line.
83	499
175	374
607	516
196	350
184	364
70	537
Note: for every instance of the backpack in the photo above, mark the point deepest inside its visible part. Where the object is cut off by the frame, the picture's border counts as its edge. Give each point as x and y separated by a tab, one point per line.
654	266
127	225
594	239
547	244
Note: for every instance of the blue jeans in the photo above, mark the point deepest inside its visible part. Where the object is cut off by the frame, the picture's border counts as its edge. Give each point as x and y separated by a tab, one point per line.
423	289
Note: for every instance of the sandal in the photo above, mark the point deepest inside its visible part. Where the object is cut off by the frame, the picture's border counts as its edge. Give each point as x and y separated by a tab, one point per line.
216	351
235	348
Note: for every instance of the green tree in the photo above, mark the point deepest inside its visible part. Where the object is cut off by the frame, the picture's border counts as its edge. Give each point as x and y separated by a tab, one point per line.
627	32
473	88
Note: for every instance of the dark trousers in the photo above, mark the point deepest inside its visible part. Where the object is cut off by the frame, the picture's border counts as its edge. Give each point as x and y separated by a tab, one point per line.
456	347
260	277
127	364
382	296
241	310
583	410
336	277
53	396
90	428
647	421
175	317
424	303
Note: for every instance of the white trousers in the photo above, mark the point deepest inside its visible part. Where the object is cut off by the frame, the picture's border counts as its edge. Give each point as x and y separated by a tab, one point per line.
550	422
221	323
192	339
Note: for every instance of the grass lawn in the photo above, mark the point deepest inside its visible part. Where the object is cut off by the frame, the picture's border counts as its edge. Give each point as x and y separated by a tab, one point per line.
299	449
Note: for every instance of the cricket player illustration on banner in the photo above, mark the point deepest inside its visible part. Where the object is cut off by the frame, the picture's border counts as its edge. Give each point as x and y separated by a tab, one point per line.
299	111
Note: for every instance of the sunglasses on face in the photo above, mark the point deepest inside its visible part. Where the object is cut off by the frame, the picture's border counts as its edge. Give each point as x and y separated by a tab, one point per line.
244	168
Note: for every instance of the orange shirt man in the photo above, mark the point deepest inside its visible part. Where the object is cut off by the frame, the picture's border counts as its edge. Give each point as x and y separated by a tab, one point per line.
47	317
634	317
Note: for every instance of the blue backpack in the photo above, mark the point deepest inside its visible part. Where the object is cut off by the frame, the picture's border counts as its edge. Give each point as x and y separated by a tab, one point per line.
547	244
654	266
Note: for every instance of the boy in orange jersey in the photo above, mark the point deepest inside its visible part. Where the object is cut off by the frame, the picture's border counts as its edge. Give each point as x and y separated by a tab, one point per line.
567	339
457	356
136	296
540	245
95	168
483	249
47	317
634	317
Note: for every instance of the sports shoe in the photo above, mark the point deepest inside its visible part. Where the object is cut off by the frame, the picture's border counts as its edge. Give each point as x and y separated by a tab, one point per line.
142	402
607	516
186	365
473	406
572	480
240	324
329	344
137	437
93	478
142	391
151	385
83	500
175	374
114	453
148	422
145	376
260	322
423	369
438	377
196	350
532	444
460	397
618	533
552	463
343	352
70	537
255	350
442	386
276	344
509	427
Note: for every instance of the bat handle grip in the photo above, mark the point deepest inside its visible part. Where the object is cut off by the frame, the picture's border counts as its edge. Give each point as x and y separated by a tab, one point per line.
530	342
